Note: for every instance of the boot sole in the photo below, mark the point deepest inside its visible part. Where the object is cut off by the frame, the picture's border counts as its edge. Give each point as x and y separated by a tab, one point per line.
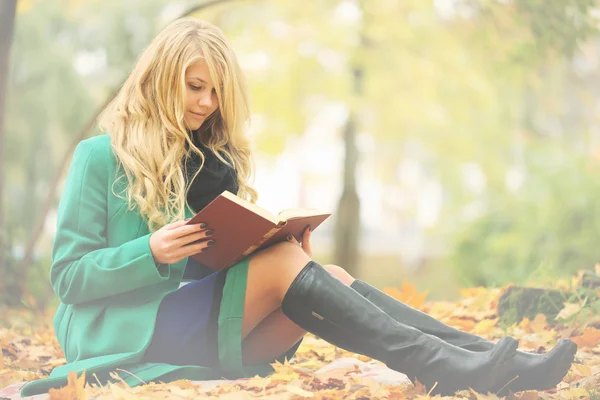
561	358
504	351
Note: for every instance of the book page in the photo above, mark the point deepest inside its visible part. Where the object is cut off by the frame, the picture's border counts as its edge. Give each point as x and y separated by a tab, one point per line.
298	212
253	207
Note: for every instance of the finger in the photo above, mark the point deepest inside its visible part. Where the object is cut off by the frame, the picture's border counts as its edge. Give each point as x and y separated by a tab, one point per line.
290	238
176	224
195	248
185	230
193	237
306	245
306	234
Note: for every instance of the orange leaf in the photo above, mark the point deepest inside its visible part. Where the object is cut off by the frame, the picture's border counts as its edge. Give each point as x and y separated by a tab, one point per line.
590	338
393	292
539	323
408	295
462	324
75	389
525	324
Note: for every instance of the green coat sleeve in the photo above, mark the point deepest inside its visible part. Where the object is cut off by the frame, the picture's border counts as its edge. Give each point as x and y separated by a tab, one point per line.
83	267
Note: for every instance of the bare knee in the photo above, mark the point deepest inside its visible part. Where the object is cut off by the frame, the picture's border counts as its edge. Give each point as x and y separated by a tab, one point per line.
277	266
339	273
286	254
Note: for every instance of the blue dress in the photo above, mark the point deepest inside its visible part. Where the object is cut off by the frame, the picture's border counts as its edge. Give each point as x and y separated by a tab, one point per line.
187	321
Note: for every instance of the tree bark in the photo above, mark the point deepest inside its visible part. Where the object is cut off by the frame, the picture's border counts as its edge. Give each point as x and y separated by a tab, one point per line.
347	230
50	199
7	21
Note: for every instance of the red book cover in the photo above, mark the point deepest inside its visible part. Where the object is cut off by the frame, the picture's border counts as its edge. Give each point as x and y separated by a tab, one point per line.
241	228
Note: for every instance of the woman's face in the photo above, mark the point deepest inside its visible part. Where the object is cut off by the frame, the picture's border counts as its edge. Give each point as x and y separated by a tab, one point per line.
201	96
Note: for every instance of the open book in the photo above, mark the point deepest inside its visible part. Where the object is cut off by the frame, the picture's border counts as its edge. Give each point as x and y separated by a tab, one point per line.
240	228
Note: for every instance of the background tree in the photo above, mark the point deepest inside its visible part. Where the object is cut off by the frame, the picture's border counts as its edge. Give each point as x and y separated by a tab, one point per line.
7	19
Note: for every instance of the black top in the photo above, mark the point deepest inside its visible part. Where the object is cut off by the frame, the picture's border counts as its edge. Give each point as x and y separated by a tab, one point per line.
214	177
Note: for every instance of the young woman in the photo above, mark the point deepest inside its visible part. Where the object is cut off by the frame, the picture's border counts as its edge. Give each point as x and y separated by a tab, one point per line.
174	142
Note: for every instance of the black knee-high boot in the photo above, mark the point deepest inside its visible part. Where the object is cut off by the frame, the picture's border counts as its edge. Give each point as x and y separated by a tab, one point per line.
532	371
323	305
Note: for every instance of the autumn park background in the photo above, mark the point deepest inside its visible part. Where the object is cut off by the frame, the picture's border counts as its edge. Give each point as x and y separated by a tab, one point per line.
456	142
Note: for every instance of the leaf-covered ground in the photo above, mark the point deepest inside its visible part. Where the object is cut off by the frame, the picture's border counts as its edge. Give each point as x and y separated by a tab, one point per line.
30	351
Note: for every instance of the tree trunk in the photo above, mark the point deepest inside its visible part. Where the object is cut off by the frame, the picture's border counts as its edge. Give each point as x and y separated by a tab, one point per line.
7	21
347	230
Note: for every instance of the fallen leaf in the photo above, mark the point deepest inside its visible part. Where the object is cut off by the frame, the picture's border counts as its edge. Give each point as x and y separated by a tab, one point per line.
529	395
119	393
539	323
575	393
582	370
74	390
408	294
590	338
299	391
569	310
484	327
284	372
462	324
472	292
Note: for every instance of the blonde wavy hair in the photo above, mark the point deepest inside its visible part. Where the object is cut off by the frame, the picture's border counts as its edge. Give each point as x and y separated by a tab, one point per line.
146	120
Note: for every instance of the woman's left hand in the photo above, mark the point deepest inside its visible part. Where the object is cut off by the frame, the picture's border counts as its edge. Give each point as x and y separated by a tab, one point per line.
305	241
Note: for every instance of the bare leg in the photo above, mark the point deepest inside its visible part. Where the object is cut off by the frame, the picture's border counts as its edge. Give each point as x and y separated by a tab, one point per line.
276	334
270	274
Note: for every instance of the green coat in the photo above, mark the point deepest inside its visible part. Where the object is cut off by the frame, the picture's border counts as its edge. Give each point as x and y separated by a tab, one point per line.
108	284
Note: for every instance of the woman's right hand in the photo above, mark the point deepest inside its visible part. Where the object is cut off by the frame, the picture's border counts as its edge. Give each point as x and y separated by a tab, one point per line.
176	241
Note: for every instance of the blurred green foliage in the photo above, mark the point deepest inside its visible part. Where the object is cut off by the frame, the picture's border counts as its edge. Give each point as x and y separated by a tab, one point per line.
546	228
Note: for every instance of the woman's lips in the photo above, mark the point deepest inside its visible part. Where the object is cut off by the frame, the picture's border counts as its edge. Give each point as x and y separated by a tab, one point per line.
198	114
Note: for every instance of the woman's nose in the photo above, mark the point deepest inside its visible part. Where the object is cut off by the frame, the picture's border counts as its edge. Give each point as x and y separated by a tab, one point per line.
205	101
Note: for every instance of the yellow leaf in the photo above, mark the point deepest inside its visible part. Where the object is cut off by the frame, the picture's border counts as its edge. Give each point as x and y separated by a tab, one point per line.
283	372
582	370
485	326
575	393
299	391
119	393
569	310
473	292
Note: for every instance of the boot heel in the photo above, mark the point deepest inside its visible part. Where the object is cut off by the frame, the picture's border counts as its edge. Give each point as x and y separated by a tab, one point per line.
504	350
